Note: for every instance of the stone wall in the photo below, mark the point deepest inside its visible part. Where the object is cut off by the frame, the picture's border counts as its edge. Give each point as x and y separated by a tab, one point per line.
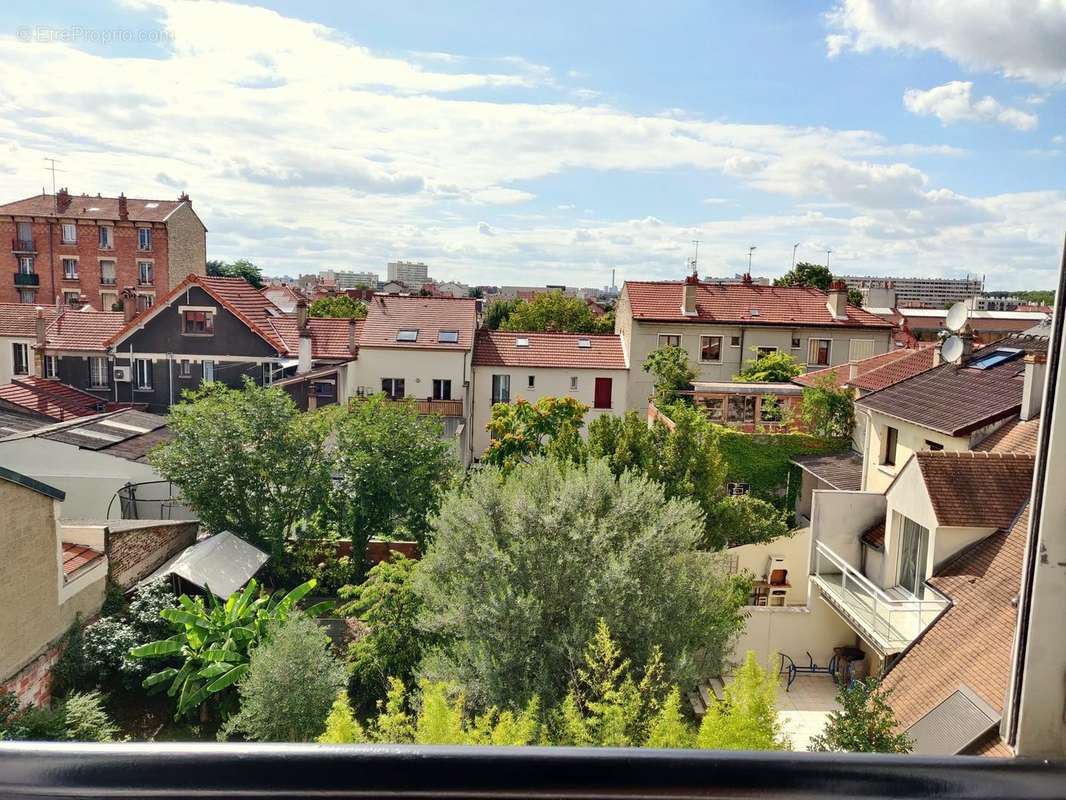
136	549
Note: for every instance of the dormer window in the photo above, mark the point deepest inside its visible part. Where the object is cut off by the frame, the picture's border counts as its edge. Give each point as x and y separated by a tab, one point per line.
448	337
407	335
523	342
584	343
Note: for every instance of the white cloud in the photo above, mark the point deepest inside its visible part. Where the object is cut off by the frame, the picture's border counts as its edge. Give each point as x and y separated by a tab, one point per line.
1058	139
1020	38
953	102
485	229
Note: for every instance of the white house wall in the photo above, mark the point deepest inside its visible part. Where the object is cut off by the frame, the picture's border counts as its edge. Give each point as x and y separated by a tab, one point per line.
911	439
794	549
418	368
7	357
794	631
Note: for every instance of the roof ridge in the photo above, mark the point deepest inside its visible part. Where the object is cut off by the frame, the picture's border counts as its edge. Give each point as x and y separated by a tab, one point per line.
924	455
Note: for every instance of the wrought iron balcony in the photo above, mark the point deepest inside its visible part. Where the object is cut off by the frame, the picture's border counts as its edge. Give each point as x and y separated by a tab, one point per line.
27	279
23	246
887	620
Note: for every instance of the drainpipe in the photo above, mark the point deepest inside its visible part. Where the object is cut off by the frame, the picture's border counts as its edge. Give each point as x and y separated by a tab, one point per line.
52	266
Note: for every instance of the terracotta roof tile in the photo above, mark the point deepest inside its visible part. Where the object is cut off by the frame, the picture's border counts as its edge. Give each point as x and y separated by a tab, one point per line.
875	535
20	319
913	363
85	207
1014	437
49	398
329	336
83	330
499	348
983	490
387	315
733	303
76	556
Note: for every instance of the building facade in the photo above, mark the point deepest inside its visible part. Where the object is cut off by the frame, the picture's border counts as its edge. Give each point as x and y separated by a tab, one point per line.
917	292
413	273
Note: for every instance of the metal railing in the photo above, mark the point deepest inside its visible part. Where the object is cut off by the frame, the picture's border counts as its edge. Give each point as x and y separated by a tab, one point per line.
27	279
894	621
442	408
23	246
150	500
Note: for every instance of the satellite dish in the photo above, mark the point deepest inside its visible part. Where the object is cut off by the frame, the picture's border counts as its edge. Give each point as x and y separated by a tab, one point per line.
952	349
957	316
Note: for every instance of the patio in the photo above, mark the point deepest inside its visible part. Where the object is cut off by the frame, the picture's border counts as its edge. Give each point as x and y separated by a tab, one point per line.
804	709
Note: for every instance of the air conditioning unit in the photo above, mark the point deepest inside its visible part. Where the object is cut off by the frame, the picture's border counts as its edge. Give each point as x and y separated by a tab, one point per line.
122	374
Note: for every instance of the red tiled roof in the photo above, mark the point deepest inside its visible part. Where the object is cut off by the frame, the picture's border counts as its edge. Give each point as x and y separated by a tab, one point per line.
983	490
85	207
83	330
389	314
733	303
20	319
1014	437
840	373
971	642
329	335
76	556
49	398
498	349
890	373
875	535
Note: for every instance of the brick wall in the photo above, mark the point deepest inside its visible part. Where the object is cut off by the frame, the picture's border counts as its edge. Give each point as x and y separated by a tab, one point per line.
135	550
32	685
379	551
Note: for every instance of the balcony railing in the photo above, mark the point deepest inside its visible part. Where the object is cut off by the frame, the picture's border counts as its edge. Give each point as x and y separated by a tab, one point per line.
27	279
108	281
23	246
442	408
886	621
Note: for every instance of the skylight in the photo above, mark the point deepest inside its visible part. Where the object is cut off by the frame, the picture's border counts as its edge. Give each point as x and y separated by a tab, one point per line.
994	359
448	337
753	311
407	335
584	343
521	342
151	205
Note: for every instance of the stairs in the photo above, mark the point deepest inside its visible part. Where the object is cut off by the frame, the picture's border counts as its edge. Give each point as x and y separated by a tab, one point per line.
709	691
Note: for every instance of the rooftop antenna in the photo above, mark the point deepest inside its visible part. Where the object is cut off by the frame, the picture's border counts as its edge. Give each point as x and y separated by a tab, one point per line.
751	250
827	252
53	170
696	257
794	248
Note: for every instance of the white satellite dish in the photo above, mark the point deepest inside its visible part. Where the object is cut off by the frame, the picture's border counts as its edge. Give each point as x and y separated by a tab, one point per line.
957	316
952	348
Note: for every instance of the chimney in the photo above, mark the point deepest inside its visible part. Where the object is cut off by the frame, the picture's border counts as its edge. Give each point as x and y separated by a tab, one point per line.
301	315
304	355
1033	387
353	341
129	304
837	301
62	200
184	198
853	370
688	298
123	207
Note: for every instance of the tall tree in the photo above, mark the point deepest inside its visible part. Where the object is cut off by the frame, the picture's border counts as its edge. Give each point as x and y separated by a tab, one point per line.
827	409
555	311
772	367
498	311
815	276
340	305
746	718
673	373
241	268
865	722
522	430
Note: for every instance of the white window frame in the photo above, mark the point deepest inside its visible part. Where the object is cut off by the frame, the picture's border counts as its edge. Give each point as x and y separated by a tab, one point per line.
20	357
27	296
573	383
106	240
531	382
391	393
737	339
51	367
501	388
142	374
209	371
141	281
769	348
142	235
443	383
660	343
112	279
63	229
829	353
105	304
97	372
895	448
26	265
720	343
184	368
71	296
65	261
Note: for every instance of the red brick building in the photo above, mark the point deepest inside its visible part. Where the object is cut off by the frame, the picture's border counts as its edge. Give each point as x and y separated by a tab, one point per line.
57	248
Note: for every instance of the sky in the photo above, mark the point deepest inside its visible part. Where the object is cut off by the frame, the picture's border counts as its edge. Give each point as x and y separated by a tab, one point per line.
553	142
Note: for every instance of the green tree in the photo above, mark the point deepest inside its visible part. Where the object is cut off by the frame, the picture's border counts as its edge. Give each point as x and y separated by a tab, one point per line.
855	298
498	311
522	430
745	520
86	720
772	367
669	728
746	718
241	268
827	409
476	292
291	683
815	276
247	461
673	373
340	305
552	311
391	467
341	725
523	567
865	722
626	442
393	723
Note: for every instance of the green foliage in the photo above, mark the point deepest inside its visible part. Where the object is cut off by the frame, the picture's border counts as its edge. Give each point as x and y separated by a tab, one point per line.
522	430
498	311
312	553
213	640
339	305
1036	296
773	367
241	268
673	373
855	298
392	646
804	273
290	686
626	442
866	722
85	720
341	725
79	718
524	566
393	724
828	410
746	719
555	311
745	520
669	728
247	460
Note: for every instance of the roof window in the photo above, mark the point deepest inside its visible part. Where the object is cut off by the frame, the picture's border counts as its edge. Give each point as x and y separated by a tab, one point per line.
994	359
407	335
523	342
448	337
584	343
753	311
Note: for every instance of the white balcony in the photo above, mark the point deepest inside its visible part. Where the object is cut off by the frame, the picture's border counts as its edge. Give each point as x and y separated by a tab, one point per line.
887	619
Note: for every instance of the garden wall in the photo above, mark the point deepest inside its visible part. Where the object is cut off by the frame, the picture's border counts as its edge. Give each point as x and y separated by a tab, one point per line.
135	549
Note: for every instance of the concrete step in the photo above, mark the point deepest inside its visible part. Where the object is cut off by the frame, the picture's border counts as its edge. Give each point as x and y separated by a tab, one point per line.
706	695
698	708
717	686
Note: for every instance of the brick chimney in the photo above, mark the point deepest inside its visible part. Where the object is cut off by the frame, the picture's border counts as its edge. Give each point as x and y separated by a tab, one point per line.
129	304
184	198
301	315
62	200
688	296
837	300
304	355
353	337
1033	386
123	207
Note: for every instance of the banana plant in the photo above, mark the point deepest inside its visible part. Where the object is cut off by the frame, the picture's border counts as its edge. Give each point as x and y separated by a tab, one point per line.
214	639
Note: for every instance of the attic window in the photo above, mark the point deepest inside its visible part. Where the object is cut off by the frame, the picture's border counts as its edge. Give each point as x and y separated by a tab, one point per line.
407	335
584	343
448	337
753	311
994	359
521	342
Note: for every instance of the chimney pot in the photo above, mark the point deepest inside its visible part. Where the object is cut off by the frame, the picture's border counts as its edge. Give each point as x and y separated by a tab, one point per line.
353	341
62	200
301	316
688	295
129	304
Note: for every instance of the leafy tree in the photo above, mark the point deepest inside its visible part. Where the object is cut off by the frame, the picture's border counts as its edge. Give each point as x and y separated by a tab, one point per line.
626	442
476	292
341	725
213	640
669	728
746	719
773	367
855	298
247	460
554	311
827	409
393	724
241	268
745	520
521	430
498	311
392	646
689	464
673	373
390	468
290	685
815	276
523	567
866	722
340	305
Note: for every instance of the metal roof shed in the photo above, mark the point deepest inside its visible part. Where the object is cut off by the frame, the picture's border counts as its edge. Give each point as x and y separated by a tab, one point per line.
221	564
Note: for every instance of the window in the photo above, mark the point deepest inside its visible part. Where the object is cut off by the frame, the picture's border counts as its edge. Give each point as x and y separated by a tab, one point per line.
68	233
795	343
184	368
532	382
324	390
763	352
770	409
197	323
407	335
142	373
108	300
107	238
913	553
742	408
266	373
573	383
209	371
448	337
144	238
107	273
521	342
602	393
25	265
393	388
71	298
70	269
21	356
501	389
98	372
584	343
669	340
51	366
710	348
144	273
714	408
145	301
818	352
24	234
891	440
734	341
27	296
933	446
442	389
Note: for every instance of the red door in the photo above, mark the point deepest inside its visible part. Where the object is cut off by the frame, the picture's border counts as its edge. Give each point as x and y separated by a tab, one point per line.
603	393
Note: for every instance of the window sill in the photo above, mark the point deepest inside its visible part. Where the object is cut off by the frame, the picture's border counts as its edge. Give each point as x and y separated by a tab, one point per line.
100	388
198	335
887	469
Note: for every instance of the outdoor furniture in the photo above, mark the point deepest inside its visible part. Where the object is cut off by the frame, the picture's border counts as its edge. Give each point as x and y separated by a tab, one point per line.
810	669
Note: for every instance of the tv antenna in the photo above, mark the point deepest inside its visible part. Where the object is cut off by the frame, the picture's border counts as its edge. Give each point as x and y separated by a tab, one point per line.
827	252
694	261
751	250
53	169
957	316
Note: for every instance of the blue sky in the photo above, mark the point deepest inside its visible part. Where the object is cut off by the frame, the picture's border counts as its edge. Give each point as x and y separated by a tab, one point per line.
551	142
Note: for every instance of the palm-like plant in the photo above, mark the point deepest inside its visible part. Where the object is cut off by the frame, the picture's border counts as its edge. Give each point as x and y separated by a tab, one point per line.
214	639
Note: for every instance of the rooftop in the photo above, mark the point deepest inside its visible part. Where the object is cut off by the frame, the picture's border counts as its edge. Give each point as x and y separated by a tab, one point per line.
123	434
86	207
82	329
78	556
48	398
20	319
573	350
1017	436
970	489
842	471
875	372
434	323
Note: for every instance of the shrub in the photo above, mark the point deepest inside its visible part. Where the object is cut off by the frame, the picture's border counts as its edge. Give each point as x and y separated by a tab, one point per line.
746	719
341	725
669	364
866	722
770	368
85	720
79	718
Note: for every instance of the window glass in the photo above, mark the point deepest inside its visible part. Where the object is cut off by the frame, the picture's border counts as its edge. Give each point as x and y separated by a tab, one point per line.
407	335
710	348
98	371
144	272
143	373
891	440
713	407
818	352
742	408
669	340
448	337
393	388
198	322
442	389
69	233
70	269
107	273
106	237
144	238
209	370
501	388
21	358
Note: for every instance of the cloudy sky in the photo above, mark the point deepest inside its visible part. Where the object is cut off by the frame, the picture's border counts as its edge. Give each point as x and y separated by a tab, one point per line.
522	143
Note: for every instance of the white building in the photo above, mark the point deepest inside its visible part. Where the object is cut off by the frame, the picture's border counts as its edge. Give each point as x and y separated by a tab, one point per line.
922	292
348	279
413	273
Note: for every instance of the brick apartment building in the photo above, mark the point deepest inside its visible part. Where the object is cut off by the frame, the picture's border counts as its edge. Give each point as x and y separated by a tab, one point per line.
65	246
